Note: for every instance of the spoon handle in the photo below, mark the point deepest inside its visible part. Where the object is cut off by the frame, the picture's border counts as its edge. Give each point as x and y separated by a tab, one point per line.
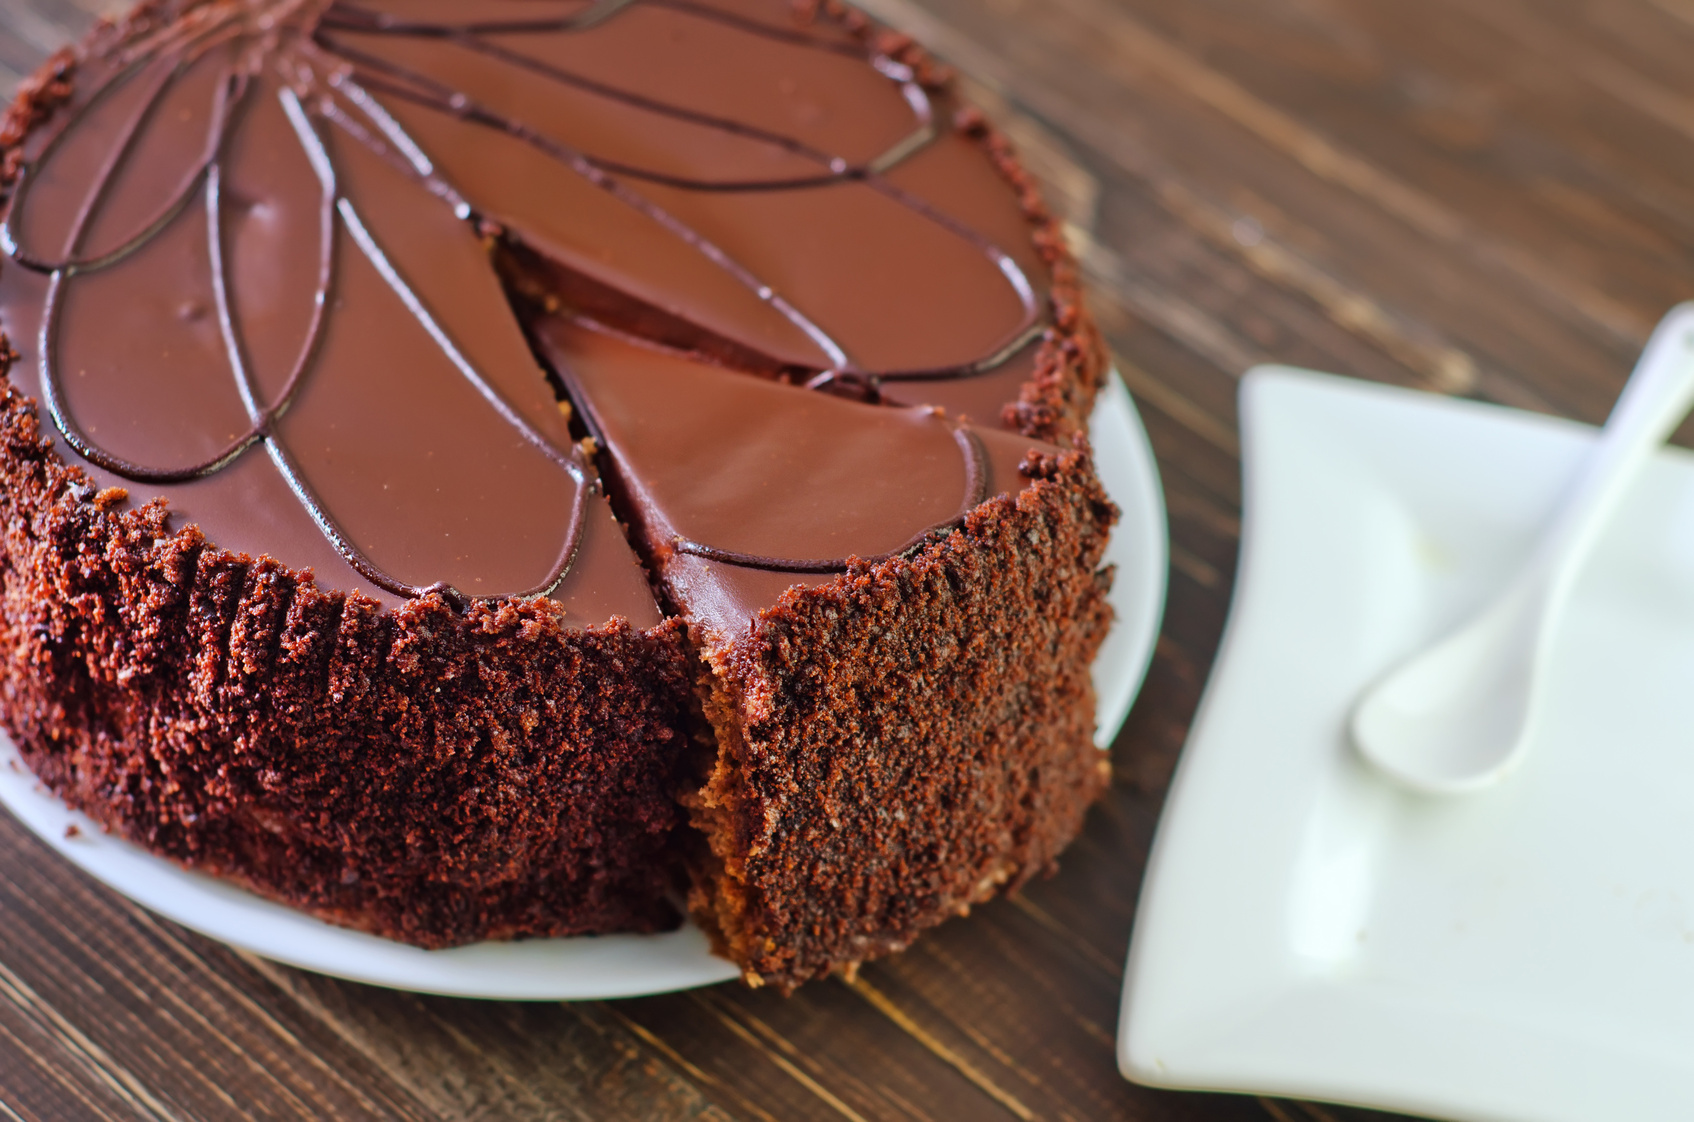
1657	396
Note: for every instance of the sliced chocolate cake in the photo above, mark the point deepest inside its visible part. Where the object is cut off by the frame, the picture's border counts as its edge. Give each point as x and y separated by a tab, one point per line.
476	470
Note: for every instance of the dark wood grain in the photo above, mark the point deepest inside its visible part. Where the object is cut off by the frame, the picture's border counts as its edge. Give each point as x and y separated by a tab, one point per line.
1493	200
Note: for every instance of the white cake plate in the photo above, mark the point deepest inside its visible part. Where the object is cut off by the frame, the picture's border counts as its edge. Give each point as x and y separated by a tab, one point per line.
602	965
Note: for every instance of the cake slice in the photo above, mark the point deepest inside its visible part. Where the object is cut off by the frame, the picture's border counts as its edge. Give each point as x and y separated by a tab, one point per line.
888	606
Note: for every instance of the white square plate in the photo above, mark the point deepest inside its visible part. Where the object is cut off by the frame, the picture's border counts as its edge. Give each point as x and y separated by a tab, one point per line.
1305	928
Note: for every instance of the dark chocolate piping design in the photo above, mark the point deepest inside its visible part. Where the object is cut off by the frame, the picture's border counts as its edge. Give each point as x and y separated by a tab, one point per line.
120	152
839	170
840	374
572	464
263	418
590	171
354	17
61	274
399	81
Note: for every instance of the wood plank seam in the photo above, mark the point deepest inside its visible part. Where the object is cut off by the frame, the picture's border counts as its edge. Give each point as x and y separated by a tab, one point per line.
886	1006
788	1048
134	967
1167	400
96	1060
722	1011
175	998
1181	319
631	1048
54	1072
1675	10
937	952
144	919
1018	953
511	1078
1102	962
1445	368
1193	567
1333	163
658	1044
277	976
1627	87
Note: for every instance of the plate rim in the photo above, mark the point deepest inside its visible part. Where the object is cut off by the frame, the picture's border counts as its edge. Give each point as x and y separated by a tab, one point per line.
664	962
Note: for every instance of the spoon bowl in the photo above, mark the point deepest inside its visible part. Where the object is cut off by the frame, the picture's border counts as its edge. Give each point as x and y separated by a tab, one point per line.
1456	719
1459	715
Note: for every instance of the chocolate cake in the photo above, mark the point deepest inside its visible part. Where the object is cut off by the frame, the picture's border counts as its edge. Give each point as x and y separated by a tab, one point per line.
530	467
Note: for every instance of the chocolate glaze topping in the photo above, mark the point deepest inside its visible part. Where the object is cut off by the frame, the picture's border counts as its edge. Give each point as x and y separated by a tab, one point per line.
271	255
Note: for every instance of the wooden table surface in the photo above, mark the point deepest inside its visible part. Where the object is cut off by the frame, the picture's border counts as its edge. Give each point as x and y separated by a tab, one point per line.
1494	200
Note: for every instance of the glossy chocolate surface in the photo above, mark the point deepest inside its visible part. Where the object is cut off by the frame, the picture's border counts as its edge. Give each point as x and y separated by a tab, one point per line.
250	271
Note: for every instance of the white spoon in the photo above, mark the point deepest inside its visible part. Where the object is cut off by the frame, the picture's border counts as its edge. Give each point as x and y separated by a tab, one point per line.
1457	716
